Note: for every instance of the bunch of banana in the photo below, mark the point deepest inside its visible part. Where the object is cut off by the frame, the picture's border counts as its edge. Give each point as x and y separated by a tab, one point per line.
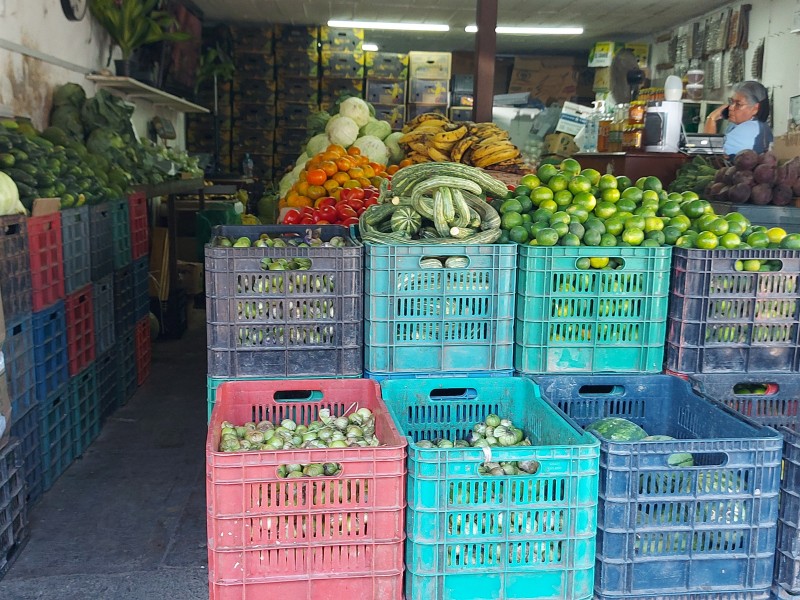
431	137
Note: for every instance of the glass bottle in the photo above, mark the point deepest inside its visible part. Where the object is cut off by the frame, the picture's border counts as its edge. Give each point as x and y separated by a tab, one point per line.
247	166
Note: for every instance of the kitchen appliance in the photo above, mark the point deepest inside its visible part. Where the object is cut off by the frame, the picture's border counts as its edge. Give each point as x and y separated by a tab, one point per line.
662	126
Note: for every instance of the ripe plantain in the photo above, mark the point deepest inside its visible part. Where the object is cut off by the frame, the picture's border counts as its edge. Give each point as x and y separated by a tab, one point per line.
429	118
451	136
460	147
437	156
501	155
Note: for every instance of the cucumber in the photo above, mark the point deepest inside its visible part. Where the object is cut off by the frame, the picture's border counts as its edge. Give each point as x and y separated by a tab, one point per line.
463	216
457	262
20	176
377	213
439	220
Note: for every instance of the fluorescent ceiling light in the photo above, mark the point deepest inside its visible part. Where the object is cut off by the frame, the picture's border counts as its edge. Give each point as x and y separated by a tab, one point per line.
370	47
531	30
396	26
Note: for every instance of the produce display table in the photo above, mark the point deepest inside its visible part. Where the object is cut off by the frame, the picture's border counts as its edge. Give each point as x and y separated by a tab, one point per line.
635	164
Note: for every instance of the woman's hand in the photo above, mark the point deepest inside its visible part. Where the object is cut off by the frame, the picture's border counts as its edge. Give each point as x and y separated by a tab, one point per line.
710	126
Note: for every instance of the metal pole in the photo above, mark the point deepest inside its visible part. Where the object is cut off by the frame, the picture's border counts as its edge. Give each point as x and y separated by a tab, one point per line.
485	50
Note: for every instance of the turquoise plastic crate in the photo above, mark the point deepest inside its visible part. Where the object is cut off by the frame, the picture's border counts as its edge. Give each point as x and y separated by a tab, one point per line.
420	320
475	537
572	320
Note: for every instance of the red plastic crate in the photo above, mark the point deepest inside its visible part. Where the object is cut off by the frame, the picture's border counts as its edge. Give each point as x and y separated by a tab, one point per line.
143	350
307	537
140	241
80	330
47	260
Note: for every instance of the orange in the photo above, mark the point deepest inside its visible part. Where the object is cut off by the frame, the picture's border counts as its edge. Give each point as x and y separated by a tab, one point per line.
368	170
329	167
354	151
341	177
282	203
376	181
316	176
339	150
330	185
344	164
405	162
351	183
377	166
316	191
364	182
301	187
356	172
392	169
312	163
299	201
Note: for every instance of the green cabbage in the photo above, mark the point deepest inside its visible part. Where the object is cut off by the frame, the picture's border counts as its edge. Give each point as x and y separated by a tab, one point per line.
396	153
356	109
342	130
373	148
380	129
317	144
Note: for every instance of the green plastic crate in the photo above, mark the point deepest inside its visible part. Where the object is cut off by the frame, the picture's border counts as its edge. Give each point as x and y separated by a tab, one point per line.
475	537
572	320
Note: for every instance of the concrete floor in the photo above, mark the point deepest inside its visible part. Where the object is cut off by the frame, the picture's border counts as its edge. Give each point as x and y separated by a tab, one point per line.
127	520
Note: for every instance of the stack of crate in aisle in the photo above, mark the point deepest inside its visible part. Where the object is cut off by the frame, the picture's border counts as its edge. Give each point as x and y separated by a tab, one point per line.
341	64
254	100
734	331
386	86
428	83
462	98
13	506
297	72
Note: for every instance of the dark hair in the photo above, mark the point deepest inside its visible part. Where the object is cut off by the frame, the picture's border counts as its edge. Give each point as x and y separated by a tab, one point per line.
755	93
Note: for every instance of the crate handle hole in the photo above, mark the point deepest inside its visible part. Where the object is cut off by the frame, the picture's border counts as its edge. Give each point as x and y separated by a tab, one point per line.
756	389
601	390
12	229
711	459
297	395
454	394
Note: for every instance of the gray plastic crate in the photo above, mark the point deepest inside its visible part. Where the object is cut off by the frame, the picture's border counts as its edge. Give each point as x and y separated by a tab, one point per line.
103	300
77	250
101	241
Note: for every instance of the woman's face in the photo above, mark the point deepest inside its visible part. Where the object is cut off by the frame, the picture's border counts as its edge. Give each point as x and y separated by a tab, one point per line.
739	110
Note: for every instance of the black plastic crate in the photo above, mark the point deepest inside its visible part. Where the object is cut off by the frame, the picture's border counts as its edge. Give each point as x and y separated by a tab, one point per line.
106	376
787	555
15	266
264	323
25	427
141	289
125	353
103	305
121	224
701	531
20	363
85	407
13	508
77	249
101	231
56	440
724	320
124	300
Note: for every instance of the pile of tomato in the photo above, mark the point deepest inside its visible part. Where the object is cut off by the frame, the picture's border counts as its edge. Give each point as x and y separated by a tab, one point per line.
330	211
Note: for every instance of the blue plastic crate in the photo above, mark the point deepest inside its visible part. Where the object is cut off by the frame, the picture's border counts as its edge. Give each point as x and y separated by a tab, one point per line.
124	300
25	427
420	320
141	290
85	407
101	231
56	436
591	320
106	375
121	228
705	531
20	363
125	352
442	375
475	537
76	248
787	555
50	350
103	306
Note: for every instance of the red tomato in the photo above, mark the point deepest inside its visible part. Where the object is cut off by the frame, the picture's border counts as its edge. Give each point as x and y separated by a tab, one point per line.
370	202
358	193
292	217
307	211
307	221
326	201
349	221
323	222
369	193
329	214
356	205
510	187
345	194
345	211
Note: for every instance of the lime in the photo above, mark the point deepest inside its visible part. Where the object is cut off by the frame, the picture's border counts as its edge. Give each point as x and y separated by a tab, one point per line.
560	217
635	222
592	237
563	198
540	214
503	239
730	241
540	194
650	196
526	202
579	184
685	242
718	226
752	265
736	227
626	204
570	166
670	209
531	180
510	205
607	181
653	183
651	243
689	195
633	193
671	234
522	190
605	209
704	222
549	206
577	228
681	223
624	182
561	228
615	225
570	239
706	240
526	218
633	236
586	200
608	239
693	209
547	236
594	223
518	234
645	211
533	228
593	175
623	214
656	236
737	216
653	224
640	182
583	263
776	234
598	262
510	219
544	173
558	182
759	229
610	195
578	213
791	242
758	239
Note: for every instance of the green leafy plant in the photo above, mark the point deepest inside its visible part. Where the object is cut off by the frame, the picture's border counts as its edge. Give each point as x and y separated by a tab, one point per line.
136	23
214	62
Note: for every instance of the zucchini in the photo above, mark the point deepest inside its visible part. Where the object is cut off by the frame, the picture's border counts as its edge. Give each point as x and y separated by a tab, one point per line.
439	220
430	263
462	232
447	205
457	262
377	213
474	217
461	207
490	219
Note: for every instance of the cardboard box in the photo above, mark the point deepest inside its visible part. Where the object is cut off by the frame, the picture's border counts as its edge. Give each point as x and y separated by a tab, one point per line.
641	52
547	79
560	144
290	141
429	65
787	146
340	38
603	53
464	83
295	36
297	65
347	65
5	404
333	87
602	79
430	91
414	110
252	39
190	277
386	92
248	139
254	65
298	89
159	264
573	118
386	65
463	99
395	114
294	114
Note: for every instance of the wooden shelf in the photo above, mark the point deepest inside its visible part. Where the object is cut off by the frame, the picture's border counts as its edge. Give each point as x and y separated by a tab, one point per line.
131	89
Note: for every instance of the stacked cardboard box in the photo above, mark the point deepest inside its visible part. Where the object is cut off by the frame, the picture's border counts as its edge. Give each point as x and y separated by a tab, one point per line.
341	64
428	83
386	86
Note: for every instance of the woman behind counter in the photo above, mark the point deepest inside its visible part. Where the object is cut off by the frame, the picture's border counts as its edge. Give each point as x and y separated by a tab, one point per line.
747	113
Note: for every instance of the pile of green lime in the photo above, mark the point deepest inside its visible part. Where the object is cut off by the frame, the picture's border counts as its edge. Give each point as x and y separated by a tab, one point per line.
569	206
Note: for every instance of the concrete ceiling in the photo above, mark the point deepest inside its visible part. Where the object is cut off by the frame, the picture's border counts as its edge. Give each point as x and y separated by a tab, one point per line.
601	19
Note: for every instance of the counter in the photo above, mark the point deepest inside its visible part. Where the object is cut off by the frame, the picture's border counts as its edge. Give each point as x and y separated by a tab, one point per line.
663	165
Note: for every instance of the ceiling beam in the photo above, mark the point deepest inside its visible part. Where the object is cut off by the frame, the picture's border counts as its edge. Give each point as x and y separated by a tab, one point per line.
485	49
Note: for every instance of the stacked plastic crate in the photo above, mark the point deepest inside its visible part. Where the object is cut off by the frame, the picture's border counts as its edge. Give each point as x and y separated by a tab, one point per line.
386	86
13	506
734	329
297	72
140	248
275	324
253	100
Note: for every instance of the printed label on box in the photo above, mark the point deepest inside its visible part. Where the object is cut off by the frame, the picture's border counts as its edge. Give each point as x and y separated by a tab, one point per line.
573	118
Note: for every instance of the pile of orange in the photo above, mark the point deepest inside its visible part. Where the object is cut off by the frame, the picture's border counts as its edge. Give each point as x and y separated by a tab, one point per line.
328	172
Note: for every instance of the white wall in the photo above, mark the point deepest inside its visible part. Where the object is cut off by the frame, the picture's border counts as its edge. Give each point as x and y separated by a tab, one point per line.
27	83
